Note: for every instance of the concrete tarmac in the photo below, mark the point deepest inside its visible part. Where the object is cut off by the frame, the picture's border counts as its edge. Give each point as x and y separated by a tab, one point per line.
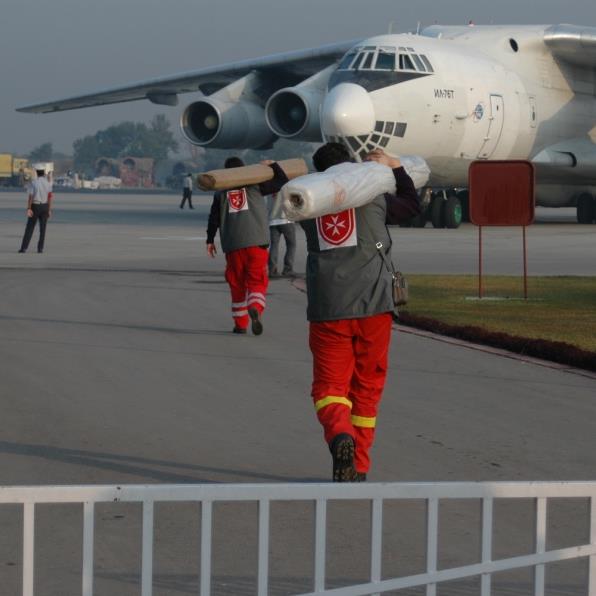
118	366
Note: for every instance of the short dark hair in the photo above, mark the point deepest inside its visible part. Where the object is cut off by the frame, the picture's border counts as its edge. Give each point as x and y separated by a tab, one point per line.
330	154
233	162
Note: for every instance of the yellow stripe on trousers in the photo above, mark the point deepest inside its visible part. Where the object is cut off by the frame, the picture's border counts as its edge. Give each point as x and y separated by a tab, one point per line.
364	421
332	399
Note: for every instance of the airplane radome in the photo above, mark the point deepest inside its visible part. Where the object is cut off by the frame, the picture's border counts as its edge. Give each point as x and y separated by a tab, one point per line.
449	94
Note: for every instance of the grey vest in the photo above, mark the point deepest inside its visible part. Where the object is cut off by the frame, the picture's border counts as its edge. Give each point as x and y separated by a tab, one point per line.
244	220
349	282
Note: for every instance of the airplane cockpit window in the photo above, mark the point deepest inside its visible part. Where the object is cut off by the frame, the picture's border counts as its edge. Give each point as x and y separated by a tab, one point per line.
385	59
418	62
405	62
427	63
347	60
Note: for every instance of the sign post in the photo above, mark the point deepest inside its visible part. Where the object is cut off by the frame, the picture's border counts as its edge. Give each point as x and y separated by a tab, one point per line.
501	194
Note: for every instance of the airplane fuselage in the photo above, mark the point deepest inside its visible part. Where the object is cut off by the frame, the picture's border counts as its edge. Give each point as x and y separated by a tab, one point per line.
495	93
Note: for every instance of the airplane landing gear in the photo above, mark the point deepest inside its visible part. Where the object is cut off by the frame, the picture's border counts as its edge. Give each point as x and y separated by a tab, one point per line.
446	211
586	208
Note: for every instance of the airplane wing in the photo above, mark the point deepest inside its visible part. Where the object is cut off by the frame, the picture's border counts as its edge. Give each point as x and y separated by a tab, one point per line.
288	68
572	43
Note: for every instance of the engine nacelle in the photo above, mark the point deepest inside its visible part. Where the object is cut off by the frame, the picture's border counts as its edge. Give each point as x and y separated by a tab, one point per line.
294	112
220	124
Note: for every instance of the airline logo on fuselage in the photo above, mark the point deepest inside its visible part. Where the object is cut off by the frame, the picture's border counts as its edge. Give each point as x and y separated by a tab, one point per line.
444	93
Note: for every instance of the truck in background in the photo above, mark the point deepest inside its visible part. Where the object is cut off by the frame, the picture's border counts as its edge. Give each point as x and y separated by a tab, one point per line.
15	171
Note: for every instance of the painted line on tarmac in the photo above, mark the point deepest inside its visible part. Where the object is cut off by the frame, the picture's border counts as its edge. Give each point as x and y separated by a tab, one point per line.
495	351
300	285
183	238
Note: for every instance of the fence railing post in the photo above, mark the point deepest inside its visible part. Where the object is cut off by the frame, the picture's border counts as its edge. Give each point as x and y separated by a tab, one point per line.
206	533
432	541
28	547
320	543
263	560
88	538
376	540
487	543
147	554
540	543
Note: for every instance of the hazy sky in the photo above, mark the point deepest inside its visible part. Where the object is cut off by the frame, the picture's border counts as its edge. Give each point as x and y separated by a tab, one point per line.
58	48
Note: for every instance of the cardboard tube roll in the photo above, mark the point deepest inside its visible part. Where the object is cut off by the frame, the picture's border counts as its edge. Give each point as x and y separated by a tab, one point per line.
248	175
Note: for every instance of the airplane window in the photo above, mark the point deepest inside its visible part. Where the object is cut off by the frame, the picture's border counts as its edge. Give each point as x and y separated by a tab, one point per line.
379	126
384	141
427	63
354	143
411	49
405	62
400	129
358	61
389	128
346	61
367	62
385	61
375	138
418	63
363	138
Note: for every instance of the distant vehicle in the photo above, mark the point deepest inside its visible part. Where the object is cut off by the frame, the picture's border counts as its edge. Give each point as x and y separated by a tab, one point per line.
451	95
14	171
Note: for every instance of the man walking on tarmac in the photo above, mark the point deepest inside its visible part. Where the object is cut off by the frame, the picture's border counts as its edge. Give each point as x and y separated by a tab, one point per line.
241	216
350	306
187	191
39	208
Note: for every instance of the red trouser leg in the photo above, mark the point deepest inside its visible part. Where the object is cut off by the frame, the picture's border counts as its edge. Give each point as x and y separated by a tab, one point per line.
257	278
333	363
349	370
371	348
236	278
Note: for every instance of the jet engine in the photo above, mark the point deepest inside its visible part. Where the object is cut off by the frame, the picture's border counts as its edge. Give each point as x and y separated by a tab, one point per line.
293	112
232	118
226	125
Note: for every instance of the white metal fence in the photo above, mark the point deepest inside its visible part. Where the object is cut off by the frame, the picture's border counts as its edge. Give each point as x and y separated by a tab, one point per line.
320	494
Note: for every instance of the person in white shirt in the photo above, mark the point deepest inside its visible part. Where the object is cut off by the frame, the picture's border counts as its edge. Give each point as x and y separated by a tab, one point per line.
187	191
280	225
39	208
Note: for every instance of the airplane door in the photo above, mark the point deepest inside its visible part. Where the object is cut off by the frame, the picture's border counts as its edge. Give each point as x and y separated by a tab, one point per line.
495	127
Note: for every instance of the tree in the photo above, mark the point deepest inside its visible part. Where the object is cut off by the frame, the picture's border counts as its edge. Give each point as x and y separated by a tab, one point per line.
42	153
134	139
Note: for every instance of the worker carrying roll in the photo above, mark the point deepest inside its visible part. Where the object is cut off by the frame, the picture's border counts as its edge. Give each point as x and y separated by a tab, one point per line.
344	186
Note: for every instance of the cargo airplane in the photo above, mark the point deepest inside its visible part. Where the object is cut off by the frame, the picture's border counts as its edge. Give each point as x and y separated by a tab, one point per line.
450	94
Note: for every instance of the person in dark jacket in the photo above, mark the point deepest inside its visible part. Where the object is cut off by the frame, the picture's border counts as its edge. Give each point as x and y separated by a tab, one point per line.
350	306
241	216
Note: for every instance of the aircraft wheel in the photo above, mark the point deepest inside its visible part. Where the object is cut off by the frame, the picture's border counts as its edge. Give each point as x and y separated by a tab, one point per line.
586	208
452	212
464	199
437	212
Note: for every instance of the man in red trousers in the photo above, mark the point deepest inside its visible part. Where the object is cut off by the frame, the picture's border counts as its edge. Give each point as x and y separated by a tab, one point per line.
242	219
350	306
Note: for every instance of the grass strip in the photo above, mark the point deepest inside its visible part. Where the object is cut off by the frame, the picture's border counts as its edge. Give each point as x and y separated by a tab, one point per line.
556	323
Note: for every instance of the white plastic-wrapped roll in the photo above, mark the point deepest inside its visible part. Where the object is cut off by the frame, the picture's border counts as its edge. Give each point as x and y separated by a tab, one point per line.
417	169
341	187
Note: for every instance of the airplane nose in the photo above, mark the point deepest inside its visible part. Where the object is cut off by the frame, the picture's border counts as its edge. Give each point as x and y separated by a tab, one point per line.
347	111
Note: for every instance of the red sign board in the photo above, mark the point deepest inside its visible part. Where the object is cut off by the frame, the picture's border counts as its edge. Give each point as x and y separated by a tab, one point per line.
501	193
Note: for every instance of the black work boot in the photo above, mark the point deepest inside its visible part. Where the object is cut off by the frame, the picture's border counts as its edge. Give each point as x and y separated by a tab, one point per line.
255	319
342	452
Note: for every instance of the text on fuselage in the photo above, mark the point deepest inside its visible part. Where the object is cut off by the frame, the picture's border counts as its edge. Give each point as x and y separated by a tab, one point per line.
444	93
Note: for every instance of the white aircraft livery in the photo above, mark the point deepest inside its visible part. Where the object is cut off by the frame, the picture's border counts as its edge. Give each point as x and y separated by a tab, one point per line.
450	94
